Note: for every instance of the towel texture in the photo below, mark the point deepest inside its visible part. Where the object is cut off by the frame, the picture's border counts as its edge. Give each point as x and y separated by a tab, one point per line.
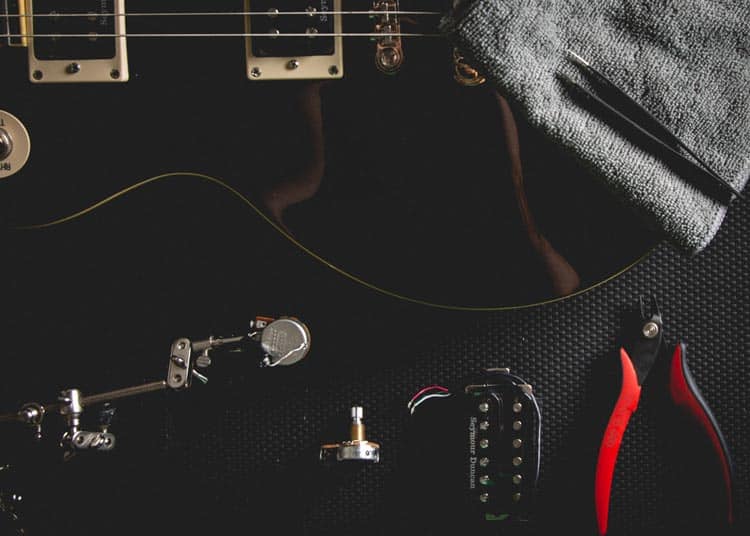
687	61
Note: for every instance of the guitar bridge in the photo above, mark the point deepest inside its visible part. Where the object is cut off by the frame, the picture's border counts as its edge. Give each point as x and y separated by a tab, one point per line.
389	53
80	41
286	43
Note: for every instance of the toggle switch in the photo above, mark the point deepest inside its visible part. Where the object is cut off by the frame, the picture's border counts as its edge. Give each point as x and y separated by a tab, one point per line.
6	144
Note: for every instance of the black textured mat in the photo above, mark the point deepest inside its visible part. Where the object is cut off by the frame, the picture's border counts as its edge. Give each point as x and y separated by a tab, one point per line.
239	455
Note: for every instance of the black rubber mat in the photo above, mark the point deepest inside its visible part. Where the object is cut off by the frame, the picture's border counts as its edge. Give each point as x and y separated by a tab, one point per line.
239	454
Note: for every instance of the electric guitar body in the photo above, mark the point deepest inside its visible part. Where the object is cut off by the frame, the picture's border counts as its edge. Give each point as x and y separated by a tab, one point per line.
354	139
146	132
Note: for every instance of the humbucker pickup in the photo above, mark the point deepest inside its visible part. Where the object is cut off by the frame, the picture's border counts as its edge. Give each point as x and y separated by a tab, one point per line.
68	47
301	42
478	450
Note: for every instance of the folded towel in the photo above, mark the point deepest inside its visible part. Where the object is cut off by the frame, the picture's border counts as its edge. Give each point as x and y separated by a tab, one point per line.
687	61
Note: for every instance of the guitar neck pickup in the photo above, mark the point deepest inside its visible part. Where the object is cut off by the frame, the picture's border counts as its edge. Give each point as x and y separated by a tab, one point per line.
288	42
80	41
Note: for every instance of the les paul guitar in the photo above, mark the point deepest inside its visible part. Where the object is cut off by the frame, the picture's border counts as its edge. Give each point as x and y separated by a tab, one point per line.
353	125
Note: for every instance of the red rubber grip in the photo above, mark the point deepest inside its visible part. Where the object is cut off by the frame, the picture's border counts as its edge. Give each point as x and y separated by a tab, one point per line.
627	402
685	395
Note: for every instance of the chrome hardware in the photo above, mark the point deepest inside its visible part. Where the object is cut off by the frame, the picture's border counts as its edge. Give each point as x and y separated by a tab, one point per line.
357	448
6	144
112	69
284	341
15	145
389	52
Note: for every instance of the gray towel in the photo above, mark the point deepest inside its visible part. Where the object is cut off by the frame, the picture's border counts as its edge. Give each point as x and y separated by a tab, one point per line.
687	61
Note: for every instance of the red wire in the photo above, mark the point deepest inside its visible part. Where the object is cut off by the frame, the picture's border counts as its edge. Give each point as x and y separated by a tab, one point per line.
422	391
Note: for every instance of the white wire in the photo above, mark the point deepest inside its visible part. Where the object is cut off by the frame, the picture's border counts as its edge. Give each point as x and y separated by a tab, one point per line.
434	395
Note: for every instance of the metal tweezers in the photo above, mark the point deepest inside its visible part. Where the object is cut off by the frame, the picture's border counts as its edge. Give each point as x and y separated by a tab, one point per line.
642	122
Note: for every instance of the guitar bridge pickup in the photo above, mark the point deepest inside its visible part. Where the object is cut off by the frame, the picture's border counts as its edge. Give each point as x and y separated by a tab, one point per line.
389	52
285	42
80	41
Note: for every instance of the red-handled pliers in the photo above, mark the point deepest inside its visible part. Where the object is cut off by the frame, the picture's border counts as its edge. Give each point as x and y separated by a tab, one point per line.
637	357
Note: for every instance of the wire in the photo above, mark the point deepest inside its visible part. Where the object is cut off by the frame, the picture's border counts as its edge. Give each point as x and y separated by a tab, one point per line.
424	390
427	397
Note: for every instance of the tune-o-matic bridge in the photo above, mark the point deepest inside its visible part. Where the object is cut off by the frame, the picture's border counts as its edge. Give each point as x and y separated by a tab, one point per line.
389	54
289	39
70	47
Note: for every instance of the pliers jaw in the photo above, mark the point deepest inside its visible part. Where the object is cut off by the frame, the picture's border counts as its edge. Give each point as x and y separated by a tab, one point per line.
644	342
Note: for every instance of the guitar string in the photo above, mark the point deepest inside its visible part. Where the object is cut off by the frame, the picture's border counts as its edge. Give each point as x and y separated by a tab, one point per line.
318	258
216	14
244	34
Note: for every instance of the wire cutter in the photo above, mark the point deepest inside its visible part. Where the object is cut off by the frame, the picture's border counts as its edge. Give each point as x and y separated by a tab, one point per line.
638	355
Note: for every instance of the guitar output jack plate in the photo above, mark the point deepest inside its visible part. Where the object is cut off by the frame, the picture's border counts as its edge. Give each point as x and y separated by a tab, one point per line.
15	145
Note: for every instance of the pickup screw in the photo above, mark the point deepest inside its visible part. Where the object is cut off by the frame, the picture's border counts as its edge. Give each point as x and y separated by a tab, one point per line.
484	443
484	425
517	479
38	75
333	70
484	407
484	497
73	68
114	74
650	330
484	480
484	462
255	72
292	64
